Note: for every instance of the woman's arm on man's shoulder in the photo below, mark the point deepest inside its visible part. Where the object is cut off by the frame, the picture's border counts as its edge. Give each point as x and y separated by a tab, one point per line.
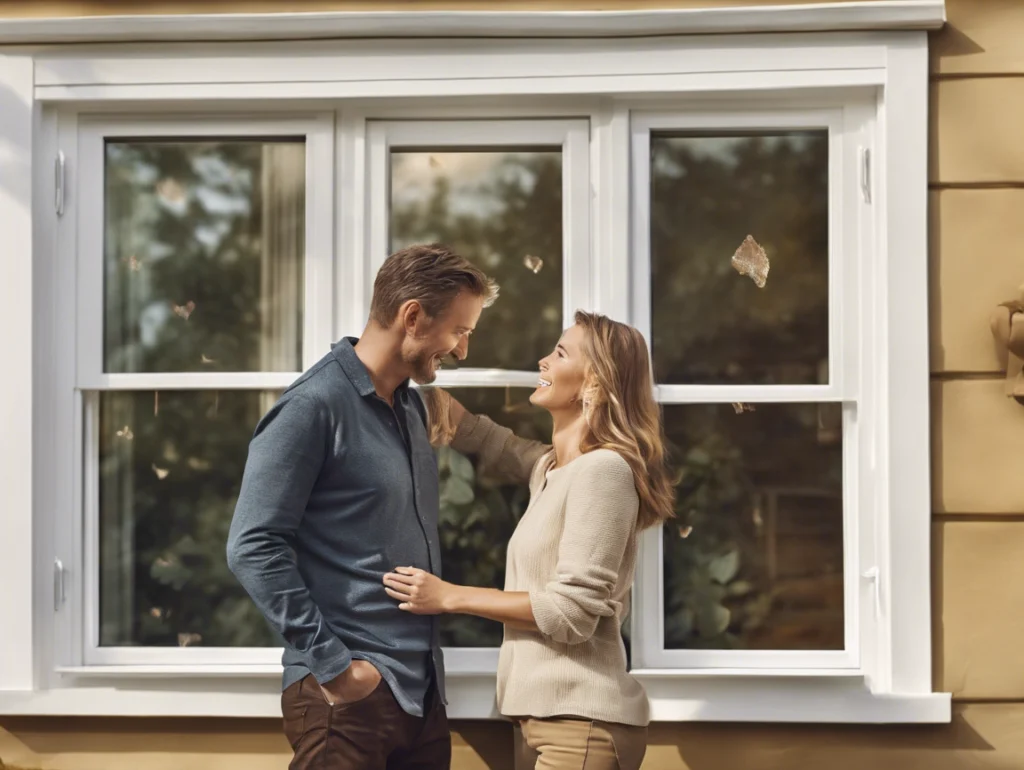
501	453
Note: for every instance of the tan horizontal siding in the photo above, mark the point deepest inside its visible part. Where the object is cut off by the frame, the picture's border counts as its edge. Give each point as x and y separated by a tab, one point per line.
979	588
55	8
981	737
977	448
981	37
975	130
976	263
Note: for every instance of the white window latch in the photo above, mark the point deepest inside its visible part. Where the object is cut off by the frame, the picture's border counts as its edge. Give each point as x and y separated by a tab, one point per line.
58	184
59	574
874	576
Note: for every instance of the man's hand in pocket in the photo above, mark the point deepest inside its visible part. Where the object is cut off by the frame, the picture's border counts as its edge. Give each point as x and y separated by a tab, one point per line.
353	684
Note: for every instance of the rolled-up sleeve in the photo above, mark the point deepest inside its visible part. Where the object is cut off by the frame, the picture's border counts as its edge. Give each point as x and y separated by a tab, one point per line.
600	515
501	453
286	455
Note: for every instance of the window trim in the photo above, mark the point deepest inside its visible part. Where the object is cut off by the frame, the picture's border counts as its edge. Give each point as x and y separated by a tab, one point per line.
617	74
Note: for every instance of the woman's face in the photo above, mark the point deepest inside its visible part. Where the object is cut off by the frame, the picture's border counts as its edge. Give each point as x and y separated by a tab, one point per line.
562	373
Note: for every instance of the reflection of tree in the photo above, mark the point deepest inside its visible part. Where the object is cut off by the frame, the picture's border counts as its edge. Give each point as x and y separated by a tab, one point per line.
478	515
184	223
723	584
519	214
710	325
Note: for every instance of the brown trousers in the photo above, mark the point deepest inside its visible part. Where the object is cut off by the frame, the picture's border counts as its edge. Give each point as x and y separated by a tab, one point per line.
578	744
370	734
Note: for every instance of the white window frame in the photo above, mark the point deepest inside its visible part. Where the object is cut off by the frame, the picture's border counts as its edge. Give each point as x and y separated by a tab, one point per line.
604	80
81	244
850	132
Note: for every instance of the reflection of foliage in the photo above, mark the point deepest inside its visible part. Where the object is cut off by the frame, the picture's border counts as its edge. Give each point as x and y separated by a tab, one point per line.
709	326
202	244
174	529
479	514
723	586
741	578
196	237
518	213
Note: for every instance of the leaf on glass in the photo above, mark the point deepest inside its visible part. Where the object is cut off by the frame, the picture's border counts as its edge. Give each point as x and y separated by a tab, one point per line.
750	260
698	456
741	408
712	619
533	264
198	464
685	531
206	359
186	640
171	190
184	311
456	491
461	467
723	568
125	433
156	612
477	515
169	572
161	473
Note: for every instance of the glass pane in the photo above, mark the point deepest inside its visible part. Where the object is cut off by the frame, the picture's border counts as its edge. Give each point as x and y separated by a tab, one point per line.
478	518
762	568
204	248
502	211
170	470
712	325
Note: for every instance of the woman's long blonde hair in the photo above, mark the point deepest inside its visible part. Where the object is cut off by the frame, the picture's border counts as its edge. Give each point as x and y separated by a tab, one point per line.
621	413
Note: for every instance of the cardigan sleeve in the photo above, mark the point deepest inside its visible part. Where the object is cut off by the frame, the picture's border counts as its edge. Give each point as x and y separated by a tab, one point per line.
501	453
600	517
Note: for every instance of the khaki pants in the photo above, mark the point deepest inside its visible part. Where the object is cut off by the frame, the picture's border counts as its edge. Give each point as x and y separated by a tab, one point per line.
578	744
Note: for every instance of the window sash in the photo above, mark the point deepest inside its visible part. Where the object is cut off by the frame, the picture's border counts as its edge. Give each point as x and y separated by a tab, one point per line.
850	342
318	131
571	136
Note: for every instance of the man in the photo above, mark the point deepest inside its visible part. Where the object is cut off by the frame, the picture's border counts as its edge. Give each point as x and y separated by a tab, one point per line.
341	485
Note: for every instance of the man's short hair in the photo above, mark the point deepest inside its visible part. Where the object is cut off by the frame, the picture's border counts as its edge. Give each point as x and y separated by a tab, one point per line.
433	275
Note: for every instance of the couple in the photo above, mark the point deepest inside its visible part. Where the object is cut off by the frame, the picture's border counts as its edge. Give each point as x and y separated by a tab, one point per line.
335	535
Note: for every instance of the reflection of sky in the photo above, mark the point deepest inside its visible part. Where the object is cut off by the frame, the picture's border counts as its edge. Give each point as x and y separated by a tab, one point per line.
725	149
222	188
415	174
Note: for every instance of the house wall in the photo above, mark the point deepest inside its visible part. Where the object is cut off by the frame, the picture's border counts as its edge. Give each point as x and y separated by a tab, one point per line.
977	197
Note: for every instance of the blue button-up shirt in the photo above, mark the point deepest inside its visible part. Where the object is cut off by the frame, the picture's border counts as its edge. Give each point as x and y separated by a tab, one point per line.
339	488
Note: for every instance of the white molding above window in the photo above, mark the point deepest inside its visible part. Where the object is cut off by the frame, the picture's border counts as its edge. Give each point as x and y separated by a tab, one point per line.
892	14
601	81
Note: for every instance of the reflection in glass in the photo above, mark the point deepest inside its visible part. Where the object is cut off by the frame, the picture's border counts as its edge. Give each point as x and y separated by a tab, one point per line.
170	470
763	567
503	211
479	514
203	255
708	193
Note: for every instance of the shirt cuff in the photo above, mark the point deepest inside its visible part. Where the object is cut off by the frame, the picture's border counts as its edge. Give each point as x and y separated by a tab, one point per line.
330	661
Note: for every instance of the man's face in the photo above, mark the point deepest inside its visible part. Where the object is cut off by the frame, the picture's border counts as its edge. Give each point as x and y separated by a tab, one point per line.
430	340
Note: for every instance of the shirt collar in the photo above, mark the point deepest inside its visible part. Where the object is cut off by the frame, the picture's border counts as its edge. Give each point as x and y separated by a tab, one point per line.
345	353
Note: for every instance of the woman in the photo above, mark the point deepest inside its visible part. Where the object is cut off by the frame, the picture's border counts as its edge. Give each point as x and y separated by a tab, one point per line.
562	667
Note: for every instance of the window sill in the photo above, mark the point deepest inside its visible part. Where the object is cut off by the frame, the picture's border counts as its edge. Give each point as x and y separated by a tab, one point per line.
136	691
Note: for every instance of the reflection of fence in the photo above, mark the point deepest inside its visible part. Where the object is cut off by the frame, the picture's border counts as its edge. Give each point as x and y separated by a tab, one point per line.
801	534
